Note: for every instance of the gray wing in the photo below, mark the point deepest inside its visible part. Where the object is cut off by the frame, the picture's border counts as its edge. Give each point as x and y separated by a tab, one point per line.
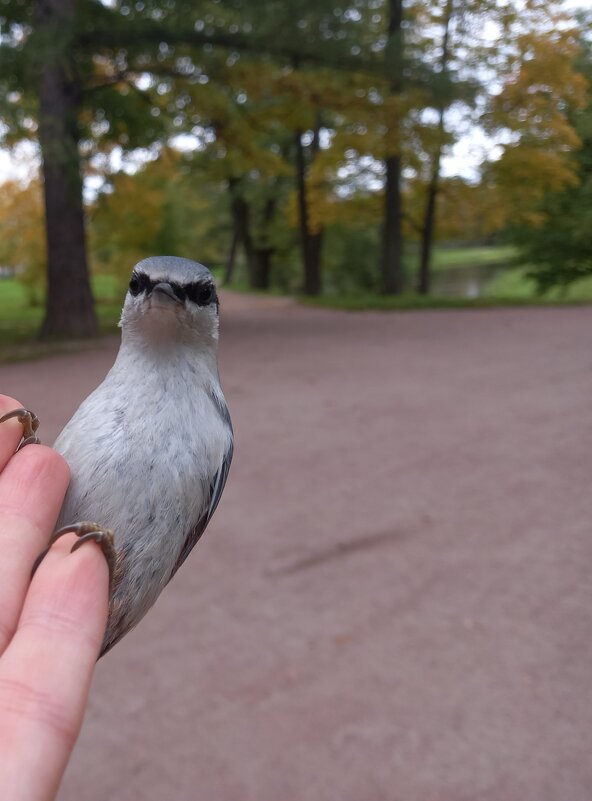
216	489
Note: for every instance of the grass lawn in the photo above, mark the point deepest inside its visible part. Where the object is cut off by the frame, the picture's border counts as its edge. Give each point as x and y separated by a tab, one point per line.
19	321
515	283
446	258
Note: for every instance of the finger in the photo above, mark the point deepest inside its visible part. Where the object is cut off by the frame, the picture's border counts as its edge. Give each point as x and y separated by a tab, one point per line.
11	431
32	488
46	670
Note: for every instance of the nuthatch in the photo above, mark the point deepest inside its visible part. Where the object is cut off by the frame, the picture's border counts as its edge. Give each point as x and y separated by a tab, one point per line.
150	449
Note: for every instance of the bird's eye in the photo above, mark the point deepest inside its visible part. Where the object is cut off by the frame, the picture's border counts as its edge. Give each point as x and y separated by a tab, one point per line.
139	283
202	294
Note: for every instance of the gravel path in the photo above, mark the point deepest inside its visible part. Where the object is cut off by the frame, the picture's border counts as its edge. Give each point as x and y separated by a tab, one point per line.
394	600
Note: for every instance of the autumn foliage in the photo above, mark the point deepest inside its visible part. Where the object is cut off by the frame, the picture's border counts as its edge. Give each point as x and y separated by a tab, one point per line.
238	142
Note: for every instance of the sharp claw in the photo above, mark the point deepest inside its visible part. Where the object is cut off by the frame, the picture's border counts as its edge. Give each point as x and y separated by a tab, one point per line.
29	422
39	559
86	532
24	415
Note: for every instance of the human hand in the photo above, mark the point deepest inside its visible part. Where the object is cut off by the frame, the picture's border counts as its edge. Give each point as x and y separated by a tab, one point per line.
51	627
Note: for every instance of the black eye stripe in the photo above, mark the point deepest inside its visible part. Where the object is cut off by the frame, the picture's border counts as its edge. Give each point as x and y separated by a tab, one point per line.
200	293
139	283
135	284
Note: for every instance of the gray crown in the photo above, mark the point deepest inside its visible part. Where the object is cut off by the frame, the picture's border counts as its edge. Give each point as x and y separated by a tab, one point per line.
174	269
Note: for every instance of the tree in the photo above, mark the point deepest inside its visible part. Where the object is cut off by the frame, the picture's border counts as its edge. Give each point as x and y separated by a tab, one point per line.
75	67
427	230
392	256
242	145
418	83
69	306
531	57
22	245
541	91
160	209
54	89
467	211
555	235
317	98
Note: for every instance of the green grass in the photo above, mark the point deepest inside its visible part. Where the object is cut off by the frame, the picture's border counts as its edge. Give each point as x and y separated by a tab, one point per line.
515	283
449	258
20	321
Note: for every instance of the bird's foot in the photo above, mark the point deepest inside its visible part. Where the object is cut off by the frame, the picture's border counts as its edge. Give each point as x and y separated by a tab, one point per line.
30	424
86	532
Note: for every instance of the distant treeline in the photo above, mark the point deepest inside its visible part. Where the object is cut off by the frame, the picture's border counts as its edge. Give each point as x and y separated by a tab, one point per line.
304	139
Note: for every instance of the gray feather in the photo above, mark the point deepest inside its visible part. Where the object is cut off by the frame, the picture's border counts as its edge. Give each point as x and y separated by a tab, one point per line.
216	489
173	268
151	447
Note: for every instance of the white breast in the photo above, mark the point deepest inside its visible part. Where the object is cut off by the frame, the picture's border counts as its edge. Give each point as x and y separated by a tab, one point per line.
143	449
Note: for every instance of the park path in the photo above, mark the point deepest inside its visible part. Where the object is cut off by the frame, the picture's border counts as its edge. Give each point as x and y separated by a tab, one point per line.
394	601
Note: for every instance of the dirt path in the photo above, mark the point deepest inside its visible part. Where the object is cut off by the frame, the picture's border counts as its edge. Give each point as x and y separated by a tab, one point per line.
394	600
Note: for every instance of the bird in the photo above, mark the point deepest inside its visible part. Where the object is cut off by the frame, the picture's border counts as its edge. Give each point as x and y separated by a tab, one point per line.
150	448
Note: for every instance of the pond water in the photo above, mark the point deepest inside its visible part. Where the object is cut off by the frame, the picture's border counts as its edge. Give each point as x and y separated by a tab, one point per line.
466	281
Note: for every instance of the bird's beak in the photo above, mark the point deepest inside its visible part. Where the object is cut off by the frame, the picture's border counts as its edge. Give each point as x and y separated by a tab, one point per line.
165	289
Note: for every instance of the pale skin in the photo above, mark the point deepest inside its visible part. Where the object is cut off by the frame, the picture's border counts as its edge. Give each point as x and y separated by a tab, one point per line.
51	626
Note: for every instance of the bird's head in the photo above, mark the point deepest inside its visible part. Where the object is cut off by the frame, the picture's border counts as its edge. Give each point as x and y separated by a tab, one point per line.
171	298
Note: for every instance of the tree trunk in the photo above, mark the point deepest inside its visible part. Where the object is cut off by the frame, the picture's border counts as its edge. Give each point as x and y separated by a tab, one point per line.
392	264
315	250
264	251
429	224
242	226
262	273
392	243
69	308
427	231
311	242
229	271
